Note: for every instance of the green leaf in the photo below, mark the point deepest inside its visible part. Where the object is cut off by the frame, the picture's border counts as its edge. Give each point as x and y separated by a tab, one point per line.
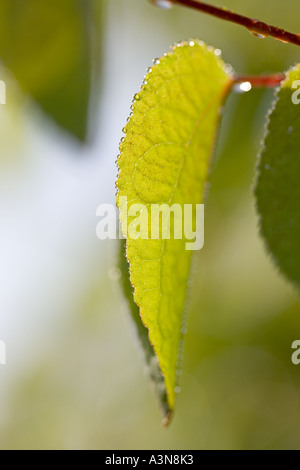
47	46
278	183
165	159
148	352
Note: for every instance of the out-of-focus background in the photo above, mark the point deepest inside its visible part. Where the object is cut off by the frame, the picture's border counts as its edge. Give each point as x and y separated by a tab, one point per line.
74	378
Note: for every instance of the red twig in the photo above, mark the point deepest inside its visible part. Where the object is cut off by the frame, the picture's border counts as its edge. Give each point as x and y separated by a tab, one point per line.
258	28
260	81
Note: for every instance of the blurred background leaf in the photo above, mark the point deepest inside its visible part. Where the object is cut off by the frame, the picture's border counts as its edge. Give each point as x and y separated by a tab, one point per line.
48	46
277	190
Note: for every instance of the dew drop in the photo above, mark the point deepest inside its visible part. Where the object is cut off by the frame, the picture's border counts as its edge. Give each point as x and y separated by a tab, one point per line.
242	87
156	61
121	144
191	43
217	52
228	69
255	32
290	130
149	70
163	4
137	97
177	390
124	130
258	35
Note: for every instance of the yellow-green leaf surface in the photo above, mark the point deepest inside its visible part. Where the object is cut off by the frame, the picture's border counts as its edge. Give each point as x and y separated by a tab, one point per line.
278	183
47	46
148	353
165	160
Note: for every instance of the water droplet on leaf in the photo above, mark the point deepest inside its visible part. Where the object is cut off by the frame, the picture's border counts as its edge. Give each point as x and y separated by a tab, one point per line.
228	69
121	144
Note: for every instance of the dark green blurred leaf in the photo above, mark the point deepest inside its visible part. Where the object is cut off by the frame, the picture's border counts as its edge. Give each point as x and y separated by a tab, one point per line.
48	47
278	185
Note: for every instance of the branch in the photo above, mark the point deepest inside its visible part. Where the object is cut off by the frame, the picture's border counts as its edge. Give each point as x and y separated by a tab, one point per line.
258	28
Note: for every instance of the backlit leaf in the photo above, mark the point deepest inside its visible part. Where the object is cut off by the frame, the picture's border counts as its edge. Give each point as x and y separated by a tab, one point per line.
165	159
149	356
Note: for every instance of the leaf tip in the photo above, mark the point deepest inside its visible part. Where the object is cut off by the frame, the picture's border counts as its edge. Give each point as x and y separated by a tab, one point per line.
167	419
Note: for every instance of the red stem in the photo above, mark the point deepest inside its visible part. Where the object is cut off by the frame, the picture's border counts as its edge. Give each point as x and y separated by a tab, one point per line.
256	27
260	81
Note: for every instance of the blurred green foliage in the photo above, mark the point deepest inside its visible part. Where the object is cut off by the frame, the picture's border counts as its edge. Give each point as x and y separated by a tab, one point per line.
49	47
278	190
